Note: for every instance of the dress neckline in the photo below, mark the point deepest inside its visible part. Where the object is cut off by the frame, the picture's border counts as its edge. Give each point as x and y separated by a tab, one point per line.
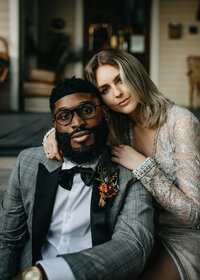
154	141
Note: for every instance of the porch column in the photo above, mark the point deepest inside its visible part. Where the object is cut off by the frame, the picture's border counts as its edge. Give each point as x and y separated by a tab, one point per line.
14	19
154	41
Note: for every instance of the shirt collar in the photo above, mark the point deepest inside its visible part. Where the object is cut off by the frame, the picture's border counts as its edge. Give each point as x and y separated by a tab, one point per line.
67	164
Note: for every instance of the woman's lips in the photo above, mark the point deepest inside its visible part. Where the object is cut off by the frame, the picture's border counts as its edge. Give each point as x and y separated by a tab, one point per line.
80	136
124	102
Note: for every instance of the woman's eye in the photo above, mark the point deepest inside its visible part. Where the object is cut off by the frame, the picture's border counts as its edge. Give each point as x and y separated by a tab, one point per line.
104	91
119	80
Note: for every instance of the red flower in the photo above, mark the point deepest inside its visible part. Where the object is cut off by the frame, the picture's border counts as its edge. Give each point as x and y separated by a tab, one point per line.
108	187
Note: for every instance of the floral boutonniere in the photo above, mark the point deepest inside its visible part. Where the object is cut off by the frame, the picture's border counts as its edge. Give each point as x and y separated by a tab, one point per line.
108	186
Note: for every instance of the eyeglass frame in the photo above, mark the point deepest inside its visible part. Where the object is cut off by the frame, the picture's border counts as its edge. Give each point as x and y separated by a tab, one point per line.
76	110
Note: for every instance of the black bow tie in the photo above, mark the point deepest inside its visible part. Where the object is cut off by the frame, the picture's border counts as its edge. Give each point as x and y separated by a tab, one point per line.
66	176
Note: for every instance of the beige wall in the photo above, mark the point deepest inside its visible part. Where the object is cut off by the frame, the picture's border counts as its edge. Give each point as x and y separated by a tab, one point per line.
4	18
173	80
4	32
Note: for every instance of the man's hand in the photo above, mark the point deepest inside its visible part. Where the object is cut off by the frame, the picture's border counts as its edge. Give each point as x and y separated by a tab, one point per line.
18	277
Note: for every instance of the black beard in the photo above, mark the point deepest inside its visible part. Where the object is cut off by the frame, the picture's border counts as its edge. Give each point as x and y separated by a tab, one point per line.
84	154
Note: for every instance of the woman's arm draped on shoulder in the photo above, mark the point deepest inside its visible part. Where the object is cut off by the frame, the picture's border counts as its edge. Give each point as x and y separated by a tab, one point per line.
182	198
51	146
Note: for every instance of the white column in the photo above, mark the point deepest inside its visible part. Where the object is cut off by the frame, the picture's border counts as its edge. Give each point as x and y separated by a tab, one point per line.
78	42
154	41
14	53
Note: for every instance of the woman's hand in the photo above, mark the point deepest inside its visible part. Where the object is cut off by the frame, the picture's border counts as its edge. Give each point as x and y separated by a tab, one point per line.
127	156
51	147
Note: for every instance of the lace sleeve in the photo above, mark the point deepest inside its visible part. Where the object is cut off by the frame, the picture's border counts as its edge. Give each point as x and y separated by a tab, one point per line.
46	135
179	195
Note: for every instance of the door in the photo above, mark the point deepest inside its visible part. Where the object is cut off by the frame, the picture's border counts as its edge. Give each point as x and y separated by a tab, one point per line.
122	24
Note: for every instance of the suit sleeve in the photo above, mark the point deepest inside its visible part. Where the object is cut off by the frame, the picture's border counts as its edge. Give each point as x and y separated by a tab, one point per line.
132	240
12	226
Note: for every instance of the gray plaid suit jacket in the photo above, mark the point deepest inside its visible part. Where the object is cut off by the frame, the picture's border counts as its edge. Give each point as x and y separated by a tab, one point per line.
26	211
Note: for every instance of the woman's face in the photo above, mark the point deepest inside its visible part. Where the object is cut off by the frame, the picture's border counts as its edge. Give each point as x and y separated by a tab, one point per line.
114	93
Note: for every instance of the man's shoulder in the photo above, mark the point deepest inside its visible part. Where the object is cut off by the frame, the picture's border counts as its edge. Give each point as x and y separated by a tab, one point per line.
122	169
125	175
35	155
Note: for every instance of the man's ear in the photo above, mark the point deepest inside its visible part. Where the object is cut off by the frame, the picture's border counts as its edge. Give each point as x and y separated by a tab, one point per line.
54	122
105	113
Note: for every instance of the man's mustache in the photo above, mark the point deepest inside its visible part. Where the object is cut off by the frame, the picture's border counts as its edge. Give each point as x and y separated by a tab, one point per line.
89	129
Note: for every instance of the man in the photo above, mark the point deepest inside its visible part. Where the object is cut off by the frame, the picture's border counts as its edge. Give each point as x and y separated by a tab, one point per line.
100	229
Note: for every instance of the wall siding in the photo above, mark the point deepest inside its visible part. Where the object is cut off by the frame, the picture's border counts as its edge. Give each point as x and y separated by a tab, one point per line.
4	18
173	80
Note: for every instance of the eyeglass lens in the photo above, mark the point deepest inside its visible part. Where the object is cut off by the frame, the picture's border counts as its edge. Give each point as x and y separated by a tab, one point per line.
85	111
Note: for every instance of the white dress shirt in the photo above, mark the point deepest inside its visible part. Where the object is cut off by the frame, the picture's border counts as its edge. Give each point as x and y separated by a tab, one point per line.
69	229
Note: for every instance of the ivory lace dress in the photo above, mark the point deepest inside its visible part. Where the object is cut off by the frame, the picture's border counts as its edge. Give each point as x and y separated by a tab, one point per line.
174	182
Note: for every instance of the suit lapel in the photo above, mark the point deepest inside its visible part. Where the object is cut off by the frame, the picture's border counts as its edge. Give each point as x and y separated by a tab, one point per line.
45	193
99	230
99	227
46	188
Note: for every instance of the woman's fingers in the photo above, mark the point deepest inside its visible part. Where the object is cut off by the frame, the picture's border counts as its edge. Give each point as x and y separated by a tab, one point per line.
51	148
52	151
127	156
59	155
115	159
116	151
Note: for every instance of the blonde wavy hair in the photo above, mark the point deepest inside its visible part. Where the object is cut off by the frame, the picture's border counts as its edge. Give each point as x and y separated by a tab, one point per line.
153	105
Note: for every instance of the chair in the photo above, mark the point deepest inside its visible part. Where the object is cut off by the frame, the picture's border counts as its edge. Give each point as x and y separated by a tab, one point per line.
4	59
193	63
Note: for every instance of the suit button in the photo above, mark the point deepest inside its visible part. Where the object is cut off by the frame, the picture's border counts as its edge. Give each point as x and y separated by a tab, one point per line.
65	240
67	217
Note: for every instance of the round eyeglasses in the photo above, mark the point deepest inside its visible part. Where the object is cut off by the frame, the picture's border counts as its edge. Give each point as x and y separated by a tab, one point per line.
85	111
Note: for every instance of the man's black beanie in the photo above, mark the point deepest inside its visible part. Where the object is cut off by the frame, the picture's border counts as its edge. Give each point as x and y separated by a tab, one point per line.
70	86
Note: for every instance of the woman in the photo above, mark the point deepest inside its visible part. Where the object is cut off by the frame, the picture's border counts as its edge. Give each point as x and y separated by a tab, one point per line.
159	141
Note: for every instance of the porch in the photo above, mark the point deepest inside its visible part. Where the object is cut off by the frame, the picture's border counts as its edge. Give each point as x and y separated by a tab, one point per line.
21	131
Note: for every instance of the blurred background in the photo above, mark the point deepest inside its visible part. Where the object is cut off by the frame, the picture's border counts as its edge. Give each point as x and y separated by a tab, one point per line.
43	41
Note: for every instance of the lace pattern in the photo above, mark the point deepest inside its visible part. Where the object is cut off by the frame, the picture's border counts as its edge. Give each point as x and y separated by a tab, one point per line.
174	179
